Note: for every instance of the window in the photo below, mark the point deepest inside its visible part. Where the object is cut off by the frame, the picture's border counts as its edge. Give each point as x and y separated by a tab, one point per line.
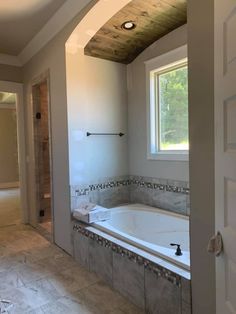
168	106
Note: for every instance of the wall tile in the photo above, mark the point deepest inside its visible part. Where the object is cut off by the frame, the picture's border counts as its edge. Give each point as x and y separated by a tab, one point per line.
186	290
186	308
109	192
128	279
100	260
81	249
188	204
175	202
161	296
114	197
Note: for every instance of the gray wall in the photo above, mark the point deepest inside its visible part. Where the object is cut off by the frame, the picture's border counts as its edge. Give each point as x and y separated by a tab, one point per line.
10	73
97	102
138	162
8	145
52	57
201	115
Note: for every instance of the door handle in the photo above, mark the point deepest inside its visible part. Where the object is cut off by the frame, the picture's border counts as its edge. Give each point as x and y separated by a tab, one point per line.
215	244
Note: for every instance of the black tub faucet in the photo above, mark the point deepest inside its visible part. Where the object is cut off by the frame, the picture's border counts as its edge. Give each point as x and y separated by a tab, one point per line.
178	250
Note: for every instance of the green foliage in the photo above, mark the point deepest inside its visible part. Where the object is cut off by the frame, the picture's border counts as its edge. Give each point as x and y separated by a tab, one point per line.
173	101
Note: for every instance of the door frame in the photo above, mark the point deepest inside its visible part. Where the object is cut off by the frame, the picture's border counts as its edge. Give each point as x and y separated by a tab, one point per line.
44	77
17	88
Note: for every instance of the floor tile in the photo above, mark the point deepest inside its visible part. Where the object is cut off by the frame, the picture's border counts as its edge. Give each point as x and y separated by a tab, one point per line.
36	277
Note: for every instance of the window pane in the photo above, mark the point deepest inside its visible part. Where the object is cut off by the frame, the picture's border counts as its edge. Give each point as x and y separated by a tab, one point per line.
173	110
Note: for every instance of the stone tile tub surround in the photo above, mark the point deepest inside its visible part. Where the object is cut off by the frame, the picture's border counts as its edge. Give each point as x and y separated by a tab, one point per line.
107	192
151	283
166	194
110	192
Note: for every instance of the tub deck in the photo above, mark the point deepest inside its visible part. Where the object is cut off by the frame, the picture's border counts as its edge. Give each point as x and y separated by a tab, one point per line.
151	230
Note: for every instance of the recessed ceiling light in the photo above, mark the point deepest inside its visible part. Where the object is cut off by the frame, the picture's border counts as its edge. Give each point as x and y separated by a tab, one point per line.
128	25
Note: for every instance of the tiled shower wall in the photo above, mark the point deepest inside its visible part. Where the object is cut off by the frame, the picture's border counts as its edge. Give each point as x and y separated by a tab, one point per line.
109	192
42	154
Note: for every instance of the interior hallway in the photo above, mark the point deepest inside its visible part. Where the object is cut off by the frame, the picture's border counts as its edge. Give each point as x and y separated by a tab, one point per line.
9	207
37	277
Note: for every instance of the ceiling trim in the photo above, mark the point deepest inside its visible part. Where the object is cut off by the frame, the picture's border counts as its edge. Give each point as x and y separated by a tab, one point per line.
58	21
10	60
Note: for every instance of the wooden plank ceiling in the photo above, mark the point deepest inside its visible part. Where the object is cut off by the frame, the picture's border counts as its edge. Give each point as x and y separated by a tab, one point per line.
153	19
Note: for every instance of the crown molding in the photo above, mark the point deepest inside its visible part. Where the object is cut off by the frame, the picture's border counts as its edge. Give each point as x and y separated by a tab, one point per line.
10	60
57	22
8	106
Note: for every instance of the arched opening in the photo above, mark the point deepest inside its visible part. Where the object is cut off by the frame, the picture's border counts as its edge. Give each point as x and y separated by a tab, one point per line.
106	98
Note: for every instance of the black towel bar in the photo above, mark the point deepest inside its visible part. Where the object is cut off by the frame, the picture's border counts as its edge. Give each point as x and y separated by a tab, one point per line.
117	134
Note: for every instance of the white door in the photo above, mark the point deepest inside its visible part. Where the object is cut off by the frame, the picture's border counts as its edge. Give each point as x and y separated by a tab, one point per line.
225	152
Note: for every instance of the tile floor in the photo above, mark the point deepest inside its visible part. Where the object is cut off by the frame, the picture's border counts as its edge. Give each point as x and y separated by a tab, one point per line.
9	207
37	277
46	226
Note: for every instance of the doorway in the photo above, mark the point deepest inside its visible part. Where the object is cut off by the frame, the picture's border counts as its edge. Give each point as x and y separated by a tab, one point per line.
10	210
42	151
13	192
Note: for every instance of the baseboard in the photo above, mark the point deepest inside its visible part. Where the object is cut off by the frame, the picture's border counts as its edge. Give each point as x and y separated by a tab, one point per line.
9	185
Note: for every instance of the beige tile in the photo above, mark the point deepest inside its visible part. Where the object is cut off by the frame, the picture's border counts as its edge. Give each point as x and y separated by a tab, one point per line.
10	279
37	277
57	263
73	279
67	305
101	299
29	273
25	299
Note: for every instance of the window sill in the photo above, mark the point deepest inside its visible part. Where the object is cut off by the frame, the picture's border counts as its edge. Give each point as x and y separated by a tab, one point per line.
168	156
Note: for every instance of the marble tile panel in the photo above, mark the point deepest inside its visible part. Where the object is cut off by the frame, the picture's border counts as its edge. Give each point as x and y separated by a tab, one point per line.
186	308
161	296
81	249
186	290
100	261
128	279
76	201
175	202
188	204
113	197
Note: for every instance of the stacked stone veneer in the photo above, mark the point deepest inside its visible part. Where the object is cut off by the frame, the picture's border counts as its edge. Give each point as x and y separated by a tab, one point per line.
109	192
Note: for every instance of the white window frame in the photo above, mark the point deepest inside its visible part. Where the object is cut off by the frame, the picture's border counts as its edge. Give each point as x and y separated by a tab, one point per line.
161	63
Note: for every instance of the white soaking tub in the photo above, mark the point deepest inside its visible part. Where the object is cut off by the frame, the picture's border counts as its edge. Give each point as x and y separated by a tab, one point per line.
151	230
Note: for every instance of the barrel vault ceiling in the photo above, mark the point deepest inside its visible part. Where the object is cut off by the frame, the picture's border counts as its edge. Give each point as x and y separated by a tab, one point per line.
152	18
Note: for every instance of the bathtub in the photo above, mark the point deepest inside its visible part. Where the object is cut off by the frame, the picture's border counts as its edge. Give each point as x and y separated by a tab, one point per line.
151	230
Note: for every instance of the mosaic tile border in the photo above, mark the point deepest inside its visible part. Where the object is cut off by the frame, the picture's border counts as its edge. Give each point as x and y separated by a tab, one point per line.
155	268
130	182
160	187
